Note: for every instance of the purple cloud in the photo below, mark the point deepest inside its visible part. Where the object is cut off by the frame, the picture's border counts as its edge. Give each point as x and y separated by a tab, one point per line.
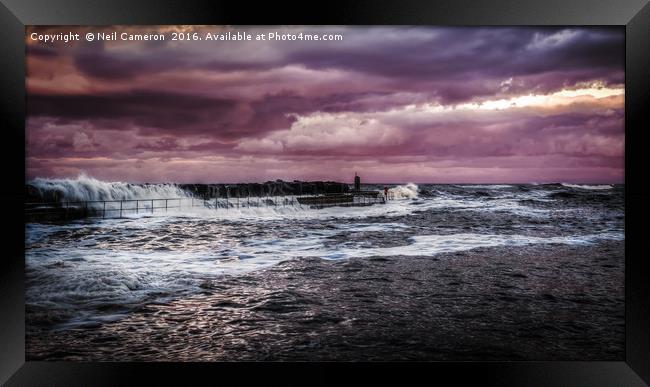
412	94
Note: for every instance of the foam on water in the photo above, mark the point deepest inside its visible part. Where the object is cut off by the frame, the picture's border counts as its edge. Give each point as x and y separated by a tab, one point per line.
506	203
89	274
588	187
85	188
408	191
91	265
428	245
486	186
272	209
406	202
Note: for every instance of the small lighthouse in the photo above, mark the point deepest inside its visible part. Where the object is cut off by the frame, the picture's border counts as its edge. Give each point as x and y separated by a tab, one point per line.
355	197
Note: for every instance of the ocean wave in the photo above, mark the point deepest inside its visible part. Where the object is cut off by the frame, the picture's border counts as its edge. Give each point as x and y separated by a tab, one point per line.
589	187
126	278
487	186
408	191
86	188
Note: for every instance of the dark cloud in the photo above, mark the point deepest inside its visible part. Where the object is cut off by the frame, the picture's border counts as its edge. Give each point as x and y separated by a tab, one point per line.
461	53
160	100
165	112
411	54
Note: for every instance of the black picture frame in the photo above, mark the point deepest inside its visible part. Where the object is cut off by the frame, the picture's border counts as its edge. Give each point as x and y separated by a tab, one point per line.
633	14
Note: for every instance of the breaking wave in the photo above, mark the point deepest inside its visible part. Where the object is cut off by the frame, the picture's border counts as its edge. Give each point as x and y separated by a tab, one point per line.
85	188
584	186
408	191
486	186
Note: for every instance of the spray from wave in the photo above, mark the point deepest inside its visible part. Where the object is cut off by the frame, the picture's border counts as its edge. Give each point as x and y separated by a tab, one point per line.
85	188
408	191
104	198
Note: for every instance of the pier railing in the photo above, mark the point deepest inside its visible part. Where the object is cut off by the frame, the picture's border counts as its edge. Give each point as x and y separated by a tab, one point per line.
101	208
65	210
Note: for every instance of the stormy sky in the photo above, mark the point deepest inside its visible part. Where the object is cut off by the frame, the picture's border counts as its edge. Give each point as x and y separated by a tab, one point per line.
395	104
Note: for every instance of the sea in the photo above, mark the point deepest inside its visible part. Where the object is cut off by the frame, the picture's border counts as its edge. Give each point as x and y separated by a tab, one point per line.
439	272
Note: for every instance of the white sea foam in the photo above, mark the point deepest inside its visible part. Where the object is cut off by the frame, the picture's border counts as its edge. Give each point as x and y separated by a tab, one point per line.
85	188
182	203
428	245
371	227
406	203
91	274
149	255
420	245
590	187
273	209
408	191
487	186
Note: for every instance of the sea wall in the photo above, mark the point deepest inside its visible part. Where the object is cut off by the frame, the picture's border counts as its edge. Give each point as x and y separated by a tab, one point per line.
269	188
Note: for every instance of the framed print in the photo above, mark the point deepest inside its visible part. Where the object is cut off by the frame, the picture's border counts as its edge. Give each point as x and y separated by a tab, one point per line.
434	188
